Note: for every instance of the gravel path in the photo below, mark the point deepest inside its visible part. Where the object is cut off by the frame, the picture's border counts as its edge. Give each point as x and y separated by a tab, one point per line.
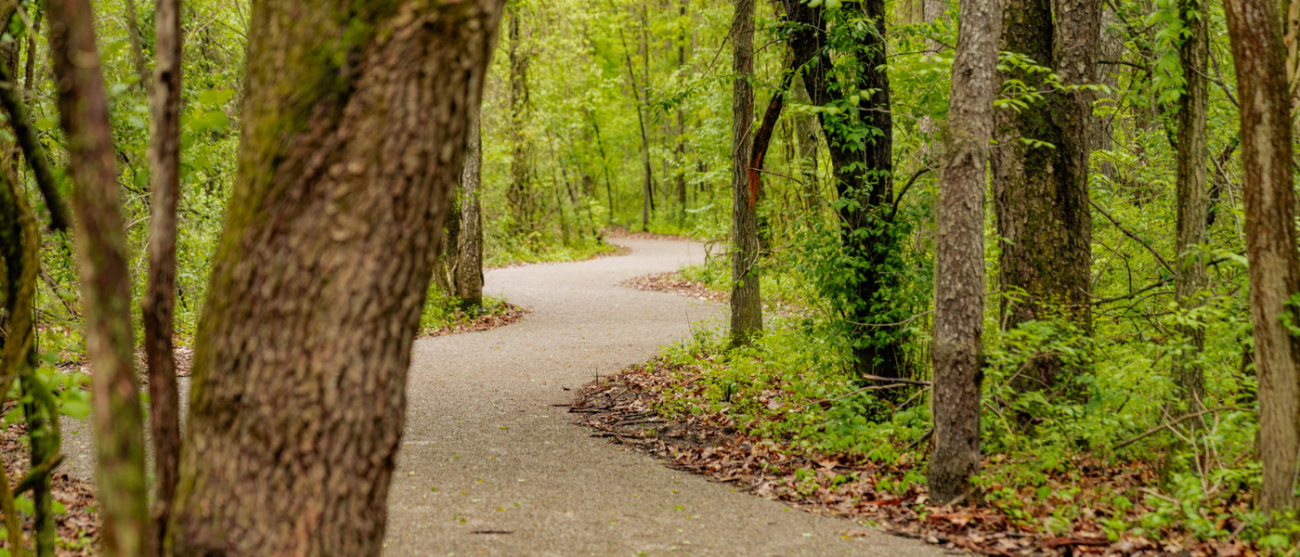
492	467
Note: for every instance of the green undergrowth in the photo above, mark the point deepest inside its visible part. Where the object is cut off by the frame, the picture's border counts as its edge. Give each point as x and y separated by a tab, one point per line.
444	312
536	248
1083	458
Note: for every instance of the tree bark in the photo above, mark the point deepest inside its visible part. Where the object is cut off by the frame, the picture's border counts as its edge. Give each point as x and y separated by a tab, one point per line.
105	280
137	45
519	194
1041	193
863	171
159	299
957	350
1193	201
746	300
19	252
355	123
469	268
1255	32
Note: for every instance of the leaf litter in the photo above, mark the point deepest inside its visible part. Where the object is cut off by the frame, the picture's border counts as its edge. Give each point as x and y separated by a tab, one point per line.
621	408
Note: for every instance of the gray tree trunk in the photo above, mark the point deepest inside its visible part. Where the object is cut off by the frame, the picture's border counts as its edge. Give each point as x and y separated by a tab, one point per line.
469	267
959	253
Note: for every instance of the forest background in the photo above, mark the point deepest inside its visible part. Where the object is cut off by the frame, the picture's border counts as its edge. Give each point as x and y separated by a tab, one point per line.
600	114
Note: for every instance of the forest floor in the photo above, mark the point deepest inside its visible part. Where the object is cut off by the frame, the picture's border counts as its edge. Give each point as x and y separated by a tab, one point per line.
493	465
625	408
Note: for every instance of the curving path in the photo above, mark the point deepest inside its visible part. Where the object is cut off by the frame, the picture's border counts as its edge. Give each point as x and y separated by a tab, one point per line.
486	450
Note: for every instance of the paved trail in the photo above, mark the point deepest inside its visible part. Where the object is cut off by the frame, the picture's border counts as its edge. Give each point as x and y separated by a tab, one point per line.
483	432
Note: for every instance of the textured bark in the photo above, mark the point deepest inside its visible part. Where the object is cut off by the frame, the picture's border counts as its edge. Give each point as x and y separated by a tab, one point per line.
863	174
469	266
1193	200
355	122
105	280
519	193
1041	193
20	253
19	259
1255	32
159	299
746	300
957	350
137	46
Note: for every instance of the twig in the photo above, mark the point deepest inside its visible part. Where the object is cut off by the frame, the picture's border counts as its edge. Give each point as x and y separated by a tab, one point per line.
1135	238
38	473
920	440
1170	424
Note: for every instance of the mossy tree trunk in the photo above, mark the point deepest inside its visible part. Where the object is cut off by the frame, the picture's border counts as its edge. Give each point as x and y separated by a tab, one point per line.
355	123
863	171
1040	173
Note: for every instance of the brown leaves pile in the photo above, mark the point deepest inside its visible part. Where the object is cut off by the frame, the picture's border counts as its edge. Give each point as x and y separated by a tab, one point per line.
79	528
623	232
674	283
504	314
621	408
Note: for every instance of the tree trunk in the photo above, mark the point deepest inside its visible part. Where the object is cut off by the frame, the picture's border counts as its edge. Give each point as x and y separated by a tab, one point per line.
957	350
863	172
105	280
519	195
33	150
469	268
19	252
137	46
1041	193
1269	203
805	129
351	151
746	301
1193	202
159	299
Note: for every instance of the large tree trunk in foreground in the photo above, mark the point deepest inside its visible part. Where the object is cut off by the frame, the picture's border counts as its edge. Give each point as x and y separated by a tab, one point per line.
105	280
746	301
354	133
1041	193
959	254
469	266
1193	201
863	172
1269	201
160	298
